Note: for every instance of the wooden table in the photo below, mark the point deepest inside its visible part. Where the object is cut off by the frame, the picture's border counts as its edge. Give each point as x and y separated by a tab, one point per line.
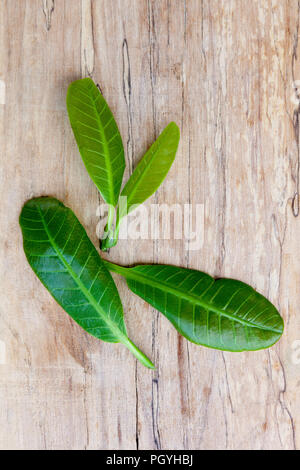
226	71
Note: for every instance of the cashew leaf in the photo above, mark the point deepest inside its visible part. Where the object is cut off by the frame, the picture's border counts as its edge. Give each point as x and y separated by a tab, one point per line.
67	263
223	314
98	138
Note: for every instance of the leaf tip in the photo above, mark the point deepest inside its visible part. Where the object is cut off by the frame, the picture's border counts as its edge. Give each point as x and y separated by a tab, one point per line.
174	127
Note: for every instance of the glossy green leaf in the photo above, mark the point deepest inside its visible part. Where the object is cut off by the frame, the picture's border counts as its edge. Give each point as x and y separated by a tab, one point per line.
98	138
67	263
152	169
222	314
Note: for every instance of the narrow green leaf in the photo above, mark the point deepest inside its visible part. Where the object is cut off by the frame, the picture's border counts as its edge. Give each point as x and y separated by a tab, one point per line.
222	314
67	263
98	138
146	178
152	169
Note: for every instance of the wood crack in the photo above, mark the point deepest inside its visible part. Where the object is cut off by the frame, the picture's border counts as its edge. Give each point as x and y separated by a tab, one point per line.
48	10
127	96
87	39
296	118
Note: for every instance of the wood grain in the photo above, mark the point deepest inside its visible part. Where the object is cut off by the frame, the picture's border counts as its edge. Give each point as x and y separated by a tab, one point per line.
226	71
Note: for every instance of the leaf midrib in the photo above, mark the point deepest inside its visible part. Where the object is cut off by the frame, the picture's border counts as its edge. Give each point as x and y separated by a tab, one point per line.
106	153
128	273
105	145
85	291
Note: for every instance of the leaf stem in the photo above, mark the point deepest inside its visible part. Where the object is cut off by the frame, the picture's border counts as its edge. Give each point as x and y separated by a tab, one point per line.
110	219
117	229
126	341
138	354
109	240
115	267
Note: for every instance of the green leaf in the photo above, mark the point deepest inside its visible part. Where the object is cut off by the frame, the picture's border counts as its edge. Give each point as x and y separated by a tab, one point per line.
222	314
153	168
98	138
146	178
67	263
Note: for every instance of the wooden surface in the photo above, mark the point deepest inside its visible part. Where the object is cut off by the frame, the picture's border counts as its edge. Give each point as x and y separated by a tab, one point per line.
224	71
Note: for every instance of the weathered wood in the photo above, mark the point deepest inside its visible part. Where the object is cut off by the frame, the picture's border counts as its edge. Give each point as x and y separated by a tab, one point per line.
225	72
